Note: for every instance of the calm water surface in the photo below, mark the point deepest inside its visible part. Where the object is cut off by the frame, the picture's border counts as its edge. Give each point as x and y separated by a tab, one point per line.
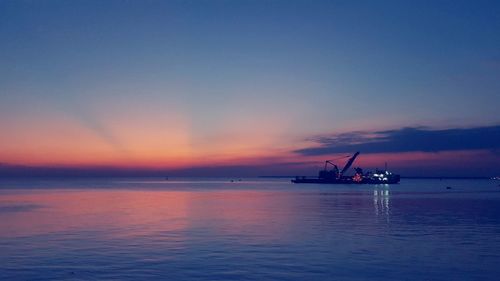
129	229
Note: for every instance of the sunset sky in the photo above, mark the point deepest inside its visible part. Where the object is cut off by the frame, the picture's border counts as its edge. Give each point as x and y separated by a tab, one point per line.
248	88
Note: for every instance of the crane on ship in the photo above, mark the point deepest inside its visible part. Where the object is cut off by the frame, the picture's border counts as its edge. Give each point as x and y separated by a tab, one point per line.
335	173
348	164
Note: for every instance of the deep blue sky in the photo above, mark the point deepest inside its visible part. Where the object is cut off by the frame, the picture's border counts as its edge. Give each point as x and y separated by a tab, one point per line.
247	79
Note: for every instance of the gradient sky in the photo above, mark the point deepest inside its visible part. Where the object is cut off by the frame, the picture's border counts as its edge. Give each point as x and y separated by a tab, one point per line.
250	87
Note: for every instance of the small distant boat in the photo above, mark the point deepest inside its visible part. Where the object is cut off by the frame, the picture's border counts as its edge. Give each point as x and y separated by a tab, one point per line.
336	176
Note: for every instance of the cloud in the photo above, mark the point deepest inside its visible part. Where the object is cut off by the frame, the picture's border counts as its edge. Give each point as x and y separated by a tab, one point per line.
408	139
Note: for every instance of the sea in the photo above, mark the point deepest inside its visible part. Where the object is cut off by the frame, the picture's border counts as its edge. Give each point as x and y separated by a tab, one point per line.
248	229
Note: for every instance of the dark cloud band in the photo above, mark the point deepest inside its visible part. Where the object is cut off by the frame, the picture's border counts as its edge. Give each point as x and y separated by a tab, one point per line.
409	139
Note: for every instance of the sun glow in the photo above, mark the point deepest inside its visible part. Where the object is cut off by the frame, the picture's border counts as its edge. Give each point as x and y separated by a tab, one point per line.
137	137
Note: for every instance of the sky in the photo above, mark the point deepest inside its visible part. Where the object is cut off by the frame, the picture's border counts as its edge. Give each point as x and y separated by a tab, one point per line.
247	88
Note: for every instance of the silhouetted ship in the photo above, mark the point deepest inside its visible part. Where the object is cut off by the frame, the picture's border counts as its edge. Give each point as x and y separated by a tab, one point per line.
336	176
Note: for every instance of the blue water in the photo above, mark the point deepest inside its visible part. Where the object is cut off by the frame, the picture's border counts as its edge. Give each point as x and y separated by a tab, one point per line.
256	229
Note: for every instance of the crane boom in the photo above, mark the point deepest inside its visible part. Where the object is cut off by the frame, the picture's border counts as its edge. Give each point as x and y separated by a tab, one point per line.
349	163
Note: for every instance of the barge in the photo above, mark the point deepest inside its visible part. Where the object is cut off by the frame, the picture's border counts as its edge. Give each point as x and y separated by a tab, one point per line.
336	176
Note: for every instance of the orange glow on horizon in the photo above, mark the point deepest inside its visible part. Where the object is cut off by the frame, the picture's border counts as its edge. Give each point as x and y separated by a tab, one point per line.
137	139
150	137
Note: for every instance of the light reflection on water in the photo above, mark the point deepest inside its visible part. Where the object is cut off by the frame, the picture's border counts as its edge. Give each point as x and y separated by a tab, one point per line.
253	230
381	200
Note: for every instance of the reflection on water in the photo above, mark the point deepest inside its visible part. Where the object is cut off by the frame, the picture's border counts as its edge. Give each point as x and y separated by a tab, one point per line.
251	231
381	200
107	211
